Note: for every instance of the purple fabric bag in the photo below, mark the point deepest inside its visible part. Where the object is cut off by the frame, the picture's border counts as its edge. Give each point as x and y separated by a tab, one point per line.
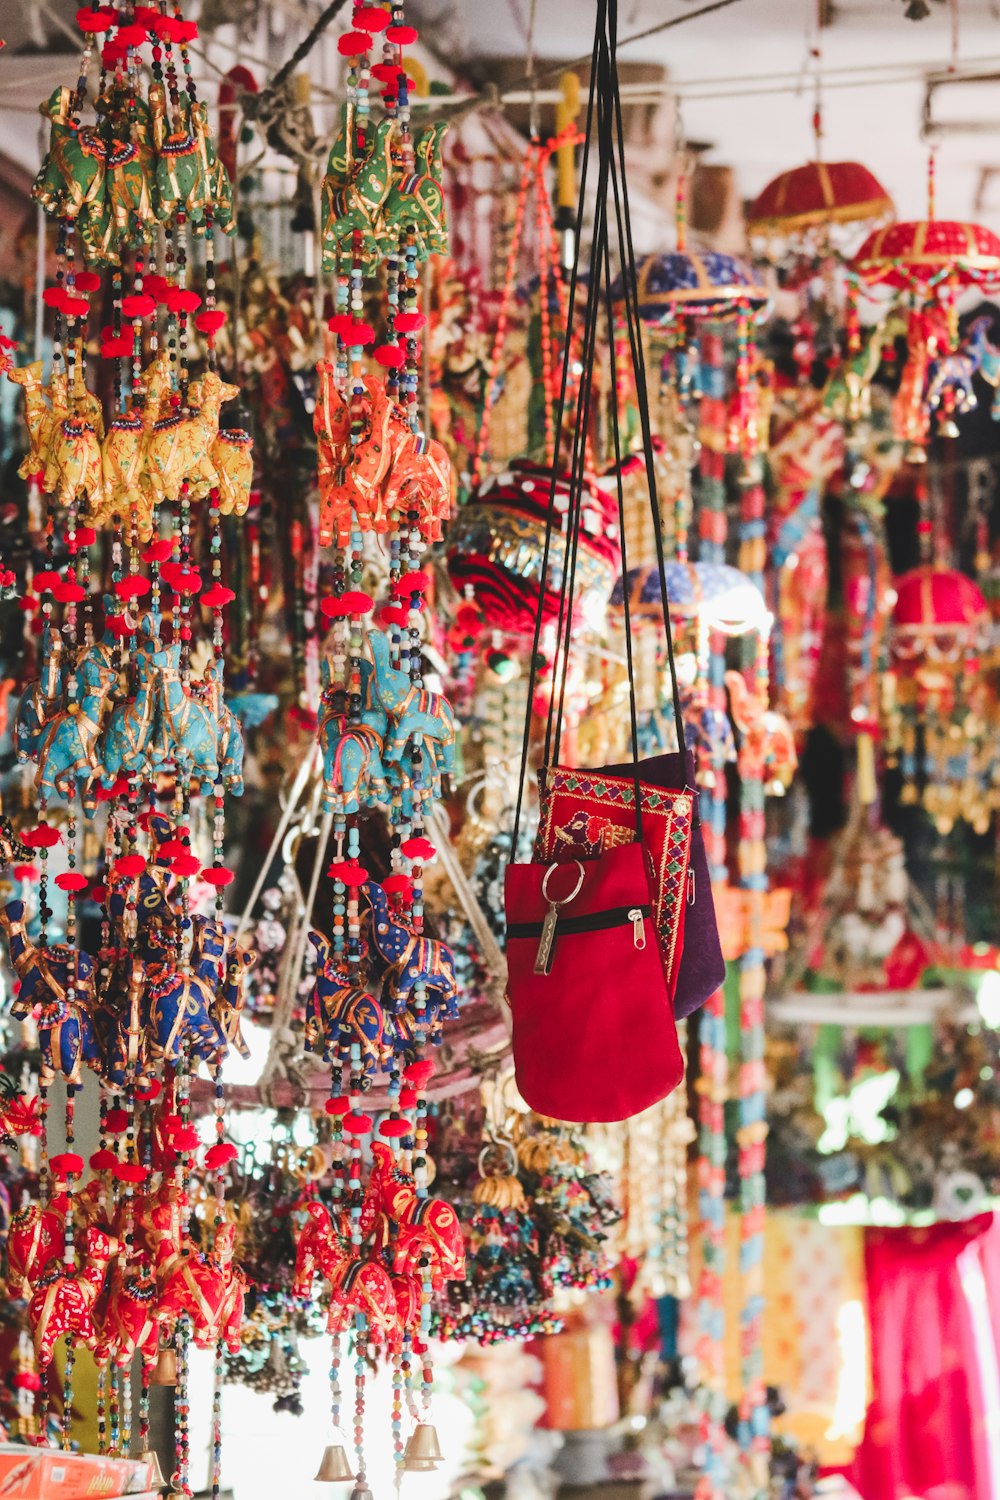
702	968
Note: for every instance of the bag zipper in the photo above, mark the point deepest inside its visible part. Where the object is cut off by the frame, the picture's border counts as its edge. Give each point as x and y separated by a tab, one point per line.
596	922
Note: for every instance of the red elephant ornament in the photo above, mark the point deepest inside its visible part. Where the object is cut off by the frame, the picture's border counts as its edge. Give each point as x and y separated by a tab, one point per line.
131	1320
409	1226
35	1238
63	1300
363	1286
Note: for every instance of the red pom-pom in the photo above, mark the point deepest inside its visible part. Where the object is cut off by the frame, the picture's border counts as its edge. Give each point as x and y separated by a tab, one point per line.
44	579
394	1128
103	1160
118	788
116	1120
68	591
117	347
397	885
220	1154
178	299
186	31
359	334
43	836
217	596
217	875
156	285
87	281
184	1140
357	1124
130	36
27	1380
184	866
393	614
149	1092
71	880
349	872
120	625
95	18
171	849
130	1171
337	1106
159	550
210	321
138	305
412	583
26	872
409	322
65	1163
403	36
99	893
86	536
75	307
181	577
132	587
356	602
407	1098
129	865
390	356
418	848
55	296
387	73
371	17
353	43
341	323
419	1073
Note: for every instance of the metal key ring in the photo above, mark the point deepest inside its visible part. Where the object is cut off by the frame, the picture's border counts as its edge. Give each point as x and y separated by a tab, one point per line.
564	900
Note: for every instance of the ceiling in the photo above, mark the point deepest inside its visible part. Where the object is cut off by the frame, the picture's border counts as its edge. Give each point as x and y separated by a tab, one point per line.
874	59
746	75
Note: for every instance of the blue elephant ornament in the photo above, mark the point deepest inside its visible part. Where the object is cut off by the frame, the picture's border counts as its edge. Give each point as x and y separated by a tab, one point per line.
67	1036
409	959
338	1013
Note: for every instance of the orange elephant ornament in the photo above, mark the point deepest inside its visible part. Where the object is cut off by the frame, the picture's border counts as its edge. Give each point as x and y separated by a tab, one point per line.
232	458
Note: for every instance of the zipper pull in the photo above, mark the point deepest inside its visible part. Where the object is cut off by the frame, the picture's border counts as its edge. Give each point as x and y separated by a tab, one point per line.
691	891
638	930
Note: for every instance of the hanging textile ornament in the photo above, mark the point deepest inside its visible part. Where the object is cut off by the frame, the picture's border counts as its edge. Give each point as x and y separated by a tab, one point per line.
701	283
817	194
497	540
713	595
923	252
940	706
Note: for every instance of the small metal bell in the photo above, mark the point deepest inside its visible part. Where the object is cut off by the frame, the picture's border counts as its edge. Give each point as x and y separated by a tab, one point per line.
361	1492
423	1451
151	1457
165	1372
335	1467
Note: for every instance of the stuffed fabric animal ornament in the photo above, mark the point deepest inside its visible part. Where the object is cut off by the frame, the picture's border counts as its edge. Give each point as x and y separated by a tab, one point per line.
63	1300
66	1035
35	1238
232	458
410	1226
355	189
408	958
339	1014
71	181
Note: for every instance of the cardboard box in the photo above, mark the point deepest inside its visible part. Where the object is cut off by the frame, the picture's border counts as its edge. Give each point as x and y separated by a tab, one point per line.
50	1474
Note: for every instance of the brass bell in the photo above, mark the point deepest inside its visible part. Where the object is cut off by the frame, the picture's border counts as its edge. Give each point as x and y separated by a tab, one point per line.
361	1492
423	1451
335	1467
151	1457
165	1372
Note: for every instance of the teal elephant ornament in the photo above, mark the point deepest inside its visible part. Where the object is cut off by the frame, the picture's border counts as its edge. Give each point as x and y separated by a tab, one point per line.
125	743
339	1014
229	732
67	756
41	700
416	716
353	774
188	732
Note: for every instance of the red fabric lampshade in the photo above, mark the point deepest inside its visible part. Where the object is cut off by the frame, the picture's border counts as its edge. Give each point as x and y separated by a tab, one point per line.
929	599
921	249
821	192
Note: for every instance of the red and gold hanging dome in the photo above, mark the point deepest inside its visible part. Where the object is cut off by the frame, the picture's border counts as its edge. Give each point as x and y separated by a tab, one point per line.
934	603
927	251
821	192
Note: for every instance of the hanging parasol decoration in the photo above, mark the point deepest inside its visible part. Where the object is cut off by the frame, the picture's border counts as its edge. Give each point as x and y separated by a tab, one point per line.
717	596
701	283
924	252
818	193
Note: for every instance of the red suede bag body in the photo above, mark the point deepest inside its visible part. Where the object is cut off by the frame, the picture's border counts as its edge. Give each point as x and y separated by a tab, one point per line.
594	1036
